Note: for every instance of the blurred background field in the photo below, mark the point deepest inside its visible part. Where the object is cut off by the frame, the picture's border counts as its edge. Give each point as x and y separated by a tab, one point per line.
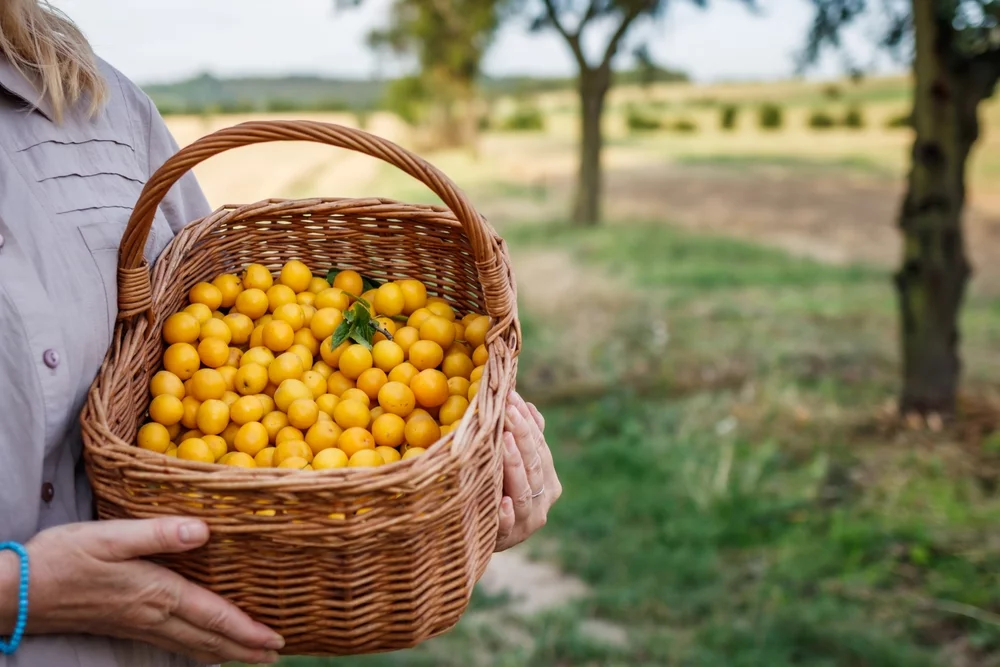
718	367
718	361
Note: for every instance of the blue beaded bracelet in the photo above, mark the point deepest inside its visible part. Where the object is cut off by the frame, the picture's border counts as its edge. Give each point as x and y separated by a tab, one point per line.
9	647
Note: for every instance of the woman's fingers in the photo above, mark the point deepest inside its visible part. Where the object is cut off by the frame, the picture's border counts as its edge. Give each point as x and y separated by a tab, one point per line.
218	616
533	417
515	479
507	522
536	416
125	540
515	507
530	481
553	488
532	413
528	410
526	437
204	642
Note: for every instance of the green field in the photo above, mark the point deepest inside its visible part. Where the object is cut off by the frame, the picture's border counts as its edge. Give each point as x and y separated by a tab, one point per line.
718	368
773	518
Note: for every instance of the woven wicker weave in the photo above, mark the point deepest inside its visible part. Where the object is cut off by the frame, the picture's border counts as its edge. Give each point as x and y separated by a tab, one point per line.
384	579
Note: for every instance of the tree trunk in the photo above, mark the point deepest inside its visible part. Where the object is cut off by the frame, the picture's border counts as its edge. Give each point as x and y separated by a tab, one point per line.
931	281
449	125
470	118
444	115
594	85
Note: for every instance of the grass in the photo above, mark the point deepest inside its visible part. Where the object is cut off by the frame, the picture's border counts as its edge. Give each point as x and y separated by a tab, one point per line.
761	524
657	256
853	163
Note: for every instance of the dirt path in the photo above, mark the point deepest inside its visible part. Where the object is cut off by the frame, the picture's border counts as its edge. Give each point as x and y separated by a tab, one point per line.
534	587
827	215
283	169
828	212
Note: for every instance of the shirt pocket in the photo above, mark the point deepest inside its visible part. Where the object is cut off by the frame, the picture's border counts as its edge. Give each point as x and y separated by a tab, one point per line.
89	182
91	186
103	240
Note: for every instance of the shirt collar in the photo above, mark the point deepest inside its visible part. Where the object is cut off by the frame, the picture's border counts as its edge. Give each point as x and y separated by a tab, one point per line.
24	88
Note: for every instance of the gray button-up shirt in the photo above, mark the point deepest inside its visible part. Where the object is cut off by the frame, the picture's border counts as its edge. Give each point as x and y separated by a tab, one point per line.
66	192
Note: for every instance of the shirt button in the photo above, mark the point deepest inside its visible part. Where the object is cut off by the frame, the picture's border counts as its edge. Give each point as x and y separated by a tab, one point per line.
51	358
48	492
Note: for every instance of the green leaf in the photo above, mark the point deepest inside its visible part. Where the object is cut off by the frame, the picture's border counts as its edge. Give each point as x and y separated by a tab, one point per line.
361	339
370	283
341	333
362	316
331	275
357	326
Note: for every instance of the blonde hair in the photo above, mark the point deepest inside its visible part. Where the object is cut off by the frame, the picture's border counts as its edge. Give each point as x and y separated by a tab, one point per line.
43	43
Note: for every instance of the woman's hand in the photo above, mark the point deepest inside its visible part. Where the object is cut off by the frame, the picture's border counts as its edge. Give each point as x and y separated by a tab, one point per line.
86	578
530	483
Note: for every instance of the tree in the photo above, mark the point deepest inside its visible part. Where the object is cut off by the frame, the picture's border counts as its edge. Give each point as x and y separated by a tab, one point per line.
448	39
594	80
571	19
956	65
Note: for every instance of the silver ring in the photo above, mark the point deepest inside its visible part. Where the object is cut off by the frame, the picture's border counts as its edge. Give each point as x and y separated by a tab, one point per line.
538	492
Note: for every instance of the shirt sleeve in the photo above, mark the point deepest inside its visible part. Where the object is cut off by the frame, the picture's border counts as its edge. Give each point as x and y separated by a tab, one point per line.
185	202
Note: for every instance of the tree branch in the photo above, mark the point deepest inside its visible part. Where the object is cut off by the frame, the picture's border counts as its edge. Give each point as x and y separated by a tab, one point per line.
588	15
572	38
630	16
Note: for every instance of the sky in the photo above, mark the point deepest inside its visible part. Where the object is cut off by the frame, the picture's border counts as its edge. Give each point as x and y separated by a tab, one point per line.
154	41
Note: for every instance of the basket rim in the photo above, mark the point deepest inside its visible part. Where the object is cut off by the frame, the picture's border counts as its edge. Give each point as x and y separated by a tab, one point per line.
427	213
444	212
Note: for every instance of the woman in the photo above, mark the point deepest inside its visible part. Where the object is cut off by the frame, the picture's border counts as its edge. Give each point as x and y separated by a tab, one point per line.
77	142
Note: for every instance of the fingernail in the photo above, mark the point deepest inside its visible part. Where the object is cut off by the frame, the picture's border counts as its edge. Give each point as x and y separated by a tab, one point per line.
193	532
506	505
513	414
277	642
511	445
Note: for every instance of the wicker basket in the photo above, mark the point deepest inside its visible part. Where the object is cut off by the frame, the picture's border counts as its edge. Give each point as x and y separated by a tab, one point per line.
389	577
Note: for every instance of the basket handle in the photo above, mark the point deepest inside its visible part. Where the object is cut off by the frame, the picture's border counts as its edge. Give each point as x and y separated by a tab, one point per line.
134	283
